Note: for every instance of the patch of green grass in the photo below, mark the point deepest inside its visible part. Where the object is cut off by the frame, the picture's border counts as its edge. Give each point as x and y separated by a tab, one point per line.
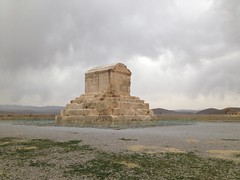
77	148
103	166
73	145
158	166
23	152
41	144
42	164
28	149
7	141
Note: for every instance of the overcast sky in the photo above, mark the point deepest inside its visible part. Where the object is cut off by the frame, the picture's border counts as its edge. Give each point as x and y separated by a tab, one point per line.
183	54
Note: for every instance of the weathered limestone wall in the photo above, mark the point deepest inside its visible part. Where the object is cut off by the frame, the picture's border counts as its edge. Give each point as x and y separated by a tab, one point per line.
115	78
97	82
121	82
107	99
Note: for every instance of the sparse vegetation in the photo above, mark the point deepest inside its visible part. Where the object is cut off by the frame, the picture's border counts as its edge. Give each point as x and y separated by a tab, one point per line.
238	155
163	165
45	159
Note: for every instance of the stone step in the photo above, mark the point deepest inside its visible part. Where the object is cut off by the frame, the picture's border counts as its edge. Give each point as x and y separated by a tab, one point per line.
108	104
119	112
129	98
130	105
74	106
80	112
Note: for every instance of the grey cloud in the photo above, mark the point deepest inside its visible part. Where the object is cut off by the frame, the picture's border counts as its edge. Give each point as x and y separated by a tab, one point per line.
40	39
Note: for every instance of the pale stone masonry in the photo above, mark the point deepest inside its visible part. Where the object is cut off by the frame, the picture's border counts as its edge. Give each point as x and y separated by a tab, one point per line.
107	99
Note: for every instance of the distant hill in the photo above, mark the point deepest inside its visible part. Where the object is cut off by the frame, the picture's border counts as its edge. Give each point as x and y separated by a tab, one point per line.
208	111
166	111
219	111
186	111
17	109
163	111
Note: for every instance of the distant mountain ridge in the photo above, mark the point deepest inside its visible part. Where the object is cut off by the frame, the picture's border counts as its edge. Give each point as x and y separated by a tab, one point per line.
166	111
219	111
211	111
208	111
18	109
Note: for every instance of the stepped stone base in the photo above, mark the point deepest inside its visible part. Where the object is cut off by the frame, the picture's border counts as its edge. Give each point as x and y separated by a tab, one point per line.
105	108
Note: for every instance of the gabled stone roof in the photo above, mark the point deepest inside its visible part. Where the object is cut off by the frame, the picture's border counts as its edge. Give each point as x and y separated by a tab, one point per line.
114	67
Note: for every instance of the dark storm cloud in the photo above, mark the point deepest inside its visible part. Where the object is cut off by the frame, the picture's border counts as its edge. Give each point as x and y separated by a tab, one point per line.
45	46
34	31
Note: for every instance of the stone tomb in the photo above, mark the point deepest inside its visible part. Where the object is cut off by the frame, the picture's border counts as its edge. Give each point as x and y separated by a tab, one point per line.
106	100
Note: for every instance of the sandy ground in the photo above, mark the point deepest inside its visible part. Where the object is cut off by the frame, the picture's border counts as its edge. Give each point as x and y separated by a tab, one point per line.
205	138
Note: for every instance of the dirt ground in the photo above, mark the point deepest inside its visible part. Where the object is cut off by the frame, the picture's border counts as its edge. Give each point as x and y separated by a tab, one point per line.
197	150
215	139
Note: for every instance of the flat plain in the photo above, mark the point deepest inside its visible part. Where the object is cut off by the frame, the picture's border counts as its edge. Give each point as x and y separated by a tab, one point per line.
174	149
